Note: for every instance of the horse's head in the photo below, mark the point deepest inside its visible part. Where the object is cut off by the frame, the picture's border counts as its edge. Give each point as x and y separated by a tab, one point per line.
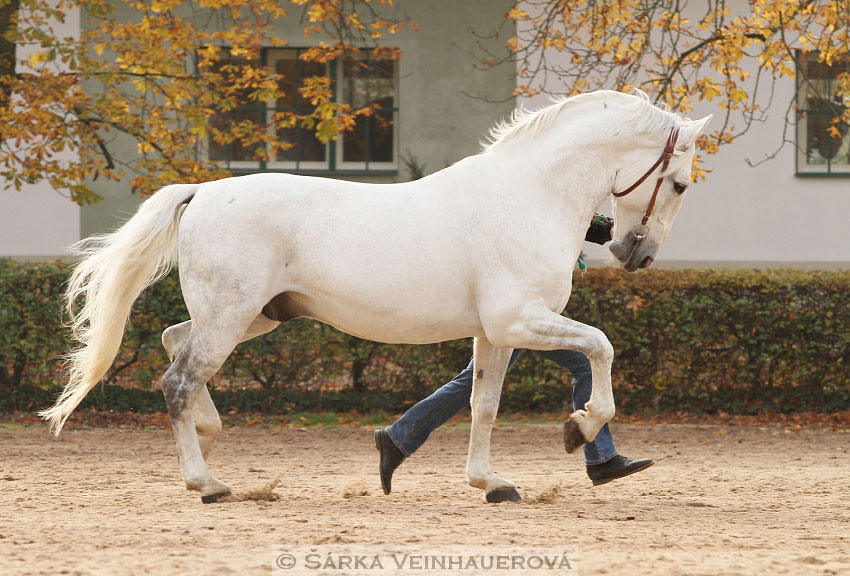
647	196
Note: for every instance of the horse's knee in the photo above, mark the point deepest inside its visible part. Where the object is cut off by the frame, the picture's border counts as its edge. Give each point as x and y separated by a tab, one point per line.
599	348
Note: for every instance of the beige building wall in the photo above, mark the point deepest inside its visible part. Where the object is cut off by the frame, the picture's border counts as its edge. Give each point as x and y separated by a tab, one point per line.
39	223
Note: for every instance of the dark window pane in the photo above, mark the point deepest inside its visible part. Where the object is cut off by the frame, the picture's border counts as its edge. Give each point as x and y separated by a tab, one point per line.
381	137
289	83
312	149
313	69
307	147
827	142
224	121
234	151
383	75
369	83
354	142
355	88
820	71
821	138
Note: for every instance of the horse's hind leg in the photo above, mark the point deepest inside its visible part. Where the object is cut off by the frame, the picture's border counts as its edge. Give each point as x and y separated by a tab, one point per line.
207	422
204	414
175	337
206	349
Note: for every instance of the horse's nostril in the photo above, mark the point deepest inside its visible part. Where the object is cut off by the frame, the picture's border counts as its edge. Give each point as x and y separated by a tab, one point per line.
619	249
647	262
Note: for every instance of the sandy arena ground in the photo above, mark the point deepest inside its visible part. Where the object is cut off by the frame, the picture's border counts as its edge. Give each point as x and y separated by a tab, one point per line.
720	500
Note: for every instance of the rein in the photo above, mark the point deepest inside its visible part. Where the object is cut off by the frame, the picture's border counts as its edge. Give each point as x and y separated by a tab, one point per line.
641	230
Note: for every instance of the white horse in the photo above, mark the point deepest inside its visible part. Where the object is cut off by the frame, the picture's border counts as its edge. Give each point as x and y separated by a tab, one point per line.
484	248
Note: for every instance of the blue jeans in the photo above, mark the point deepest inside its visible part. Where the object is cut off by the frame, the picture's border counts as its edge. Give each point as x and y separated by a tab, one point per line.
412	430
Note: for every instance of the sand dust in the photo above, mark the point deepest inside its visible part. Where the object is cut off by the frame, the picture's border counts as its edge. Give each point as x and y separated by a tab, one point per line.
720	500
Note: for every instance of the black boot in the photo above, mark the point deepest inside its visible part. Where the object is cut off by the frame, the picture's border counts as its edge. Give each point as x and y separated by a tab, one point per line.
616	467
391	458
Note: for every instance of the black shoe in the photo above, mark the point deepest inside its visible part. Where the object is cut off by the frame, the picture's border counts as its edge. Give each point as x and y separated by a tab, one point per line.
616	467
391	458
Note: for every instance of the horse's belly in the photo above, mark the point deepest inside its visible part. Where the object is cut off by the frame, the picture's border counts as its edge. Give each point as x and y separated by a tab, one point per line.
400	332
408	323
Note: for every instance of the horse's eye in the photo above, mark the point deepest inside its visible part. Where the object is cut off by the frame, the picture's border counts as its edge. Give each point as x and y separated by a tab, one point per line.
679	187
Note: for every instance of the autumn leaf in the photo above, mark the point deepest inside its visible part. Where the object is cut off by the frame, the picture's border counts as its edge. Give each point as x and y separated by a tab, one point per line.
635	304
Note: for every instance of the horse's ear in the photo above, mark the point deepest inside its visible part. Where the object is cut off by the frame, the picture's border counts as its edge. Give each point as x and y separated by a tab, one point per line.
689	131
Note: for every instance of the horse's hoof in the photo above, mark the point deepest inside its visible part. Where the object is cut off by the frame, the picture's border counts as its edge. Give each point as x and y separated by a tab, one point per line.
218	498
506	494
573	438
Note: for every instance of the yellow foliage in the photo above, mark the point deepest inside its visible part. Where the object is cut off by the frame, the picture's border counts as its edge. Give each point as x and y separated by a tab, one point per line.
516	13
166	78
680	52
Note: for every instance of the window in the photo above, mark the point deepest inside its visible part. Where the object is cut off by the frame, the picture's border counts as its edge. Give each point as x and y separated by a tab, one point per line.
823	147
308	153
357	80
367	82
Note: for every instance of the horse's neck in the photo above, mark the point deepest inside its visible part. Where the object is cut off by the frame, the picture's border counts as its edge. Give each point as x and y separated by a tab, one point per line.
569	185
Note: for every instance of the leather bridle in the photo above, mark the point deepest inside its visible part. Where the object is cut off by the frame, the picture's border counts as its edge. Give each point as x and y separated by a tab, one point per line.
641	230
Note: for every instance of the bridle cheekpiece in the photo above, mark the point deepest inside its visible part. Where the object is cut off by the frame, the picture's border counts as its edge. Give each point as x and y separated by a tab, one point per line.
641	230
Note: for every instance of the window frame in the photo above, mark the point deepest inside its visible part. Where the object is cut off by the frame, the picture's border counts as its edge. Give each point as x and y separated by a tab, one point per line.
801	168
333	164
365	166
274	165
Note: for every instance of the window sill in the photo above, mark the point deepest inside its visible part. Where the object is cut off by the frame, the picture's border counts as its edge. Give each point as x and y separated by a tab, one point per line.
387	172
822	174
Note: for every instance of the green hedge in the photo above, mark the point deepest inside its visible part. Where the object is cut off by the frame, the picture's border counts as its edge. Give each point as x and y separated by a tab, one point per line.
694	341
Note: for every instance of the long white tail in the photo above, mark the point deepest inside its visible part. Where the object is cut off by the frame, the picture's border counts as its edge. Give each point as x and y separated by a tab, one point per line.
115	269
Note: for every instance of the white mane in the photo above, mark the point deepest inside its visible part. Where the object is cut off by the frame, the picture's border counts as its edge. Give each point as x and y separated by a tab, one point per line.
651	118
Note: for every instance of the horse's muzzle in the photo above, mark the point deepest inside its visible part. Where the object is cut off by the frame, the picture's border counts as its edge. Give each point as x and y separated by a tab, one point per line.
635	250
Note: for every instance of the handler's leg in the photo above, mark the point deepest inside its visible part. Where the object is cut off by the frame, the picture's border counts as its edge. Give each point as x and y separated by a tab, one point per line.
408	433
490	365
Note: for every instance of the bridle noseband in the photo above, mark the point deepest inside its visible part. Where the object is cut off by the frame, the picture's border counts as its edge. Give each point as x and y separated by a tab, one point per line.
641	230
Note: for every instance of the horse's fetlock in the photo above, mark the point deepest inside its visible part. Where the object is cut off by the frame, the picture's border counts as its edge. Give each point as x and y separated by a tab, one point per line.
208	428
478	482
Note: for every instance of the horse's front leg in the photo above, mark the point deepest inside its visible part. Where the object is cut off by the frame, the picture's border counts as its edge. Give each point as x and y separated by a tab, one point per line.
489	367
541	329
